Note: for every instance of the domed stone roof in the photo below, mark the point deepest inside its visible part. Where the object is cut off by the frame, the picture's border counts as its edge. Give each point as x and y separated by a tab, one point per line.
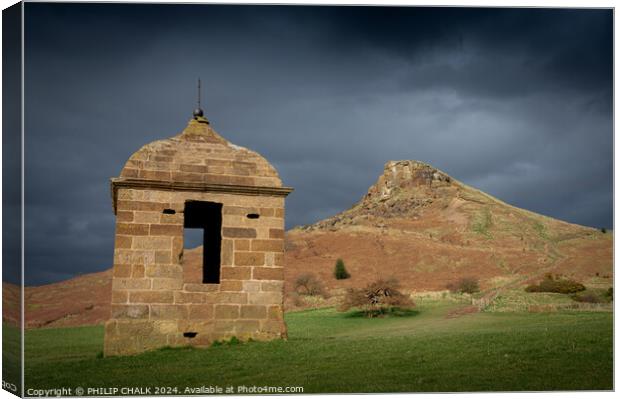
201	159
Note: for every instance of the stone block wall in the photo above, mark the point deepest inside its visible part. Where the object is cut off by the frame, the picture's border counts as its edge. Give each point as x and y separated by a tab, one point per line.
156	299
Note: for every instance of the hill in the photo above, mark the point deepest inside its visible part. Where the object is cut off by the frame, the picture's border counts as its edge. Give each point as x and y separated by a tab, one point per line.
427	229
82	300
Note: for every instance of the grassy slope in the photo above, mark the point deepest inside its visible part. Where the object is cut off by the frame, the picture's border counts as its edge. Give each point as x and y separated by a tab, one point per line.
11	355
333	352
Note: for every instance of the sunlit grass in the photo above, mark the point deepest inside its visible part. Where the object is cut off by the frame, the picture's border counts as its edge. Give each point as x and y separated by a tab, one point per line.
327	351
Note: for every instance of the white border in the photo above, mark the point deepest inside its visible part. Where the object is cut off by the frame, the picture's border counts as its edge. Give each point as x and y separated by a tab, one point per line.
530	3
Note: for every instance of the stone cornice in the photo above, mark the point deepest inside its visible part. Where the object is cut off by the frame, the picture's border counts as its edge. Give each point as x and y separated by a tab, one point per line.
120	182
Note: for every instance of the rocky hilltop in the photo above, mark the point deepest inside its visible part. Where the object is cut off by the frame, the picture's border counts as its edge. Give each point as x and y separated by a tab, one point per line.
403	190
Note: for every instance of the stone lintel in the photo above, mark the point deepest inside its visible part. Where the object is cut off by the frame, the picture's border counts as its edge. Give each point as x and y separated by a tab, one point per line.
129	183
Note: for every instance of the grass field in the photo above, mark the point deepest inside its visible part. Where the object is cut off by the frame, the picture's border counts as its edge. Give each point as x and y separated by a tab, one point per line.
334	352
11	357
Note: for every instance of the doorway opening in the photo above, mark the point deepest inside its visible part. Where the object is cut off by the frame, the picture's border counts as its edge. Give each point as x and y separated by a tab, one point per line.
204	219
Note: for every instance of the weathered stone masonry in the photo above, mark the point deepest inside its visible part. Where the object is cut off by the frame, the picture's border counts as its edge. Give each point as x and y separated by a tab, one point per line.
156	299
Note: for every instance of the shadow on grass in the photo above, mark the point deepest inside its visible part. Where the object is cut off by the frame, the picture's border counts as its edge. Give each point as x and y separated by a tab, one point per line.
378	314
169	348
233	341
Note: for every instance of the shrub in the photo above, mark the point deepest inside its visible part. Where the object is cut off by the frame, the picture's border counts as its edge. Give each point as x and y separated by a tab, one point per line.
467	285
309	284
557	284
377	298
588	297
610	293
594	296
340	272
603	230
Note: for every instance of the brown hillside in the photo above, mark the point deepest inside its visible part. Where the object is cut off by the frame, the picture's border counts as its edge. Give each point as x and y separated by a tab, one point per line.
416	223
82	300
427	229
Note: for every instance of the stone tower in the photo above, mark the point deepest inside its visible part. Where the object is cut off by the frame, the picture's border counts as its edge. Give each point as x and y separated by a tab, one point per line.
196	180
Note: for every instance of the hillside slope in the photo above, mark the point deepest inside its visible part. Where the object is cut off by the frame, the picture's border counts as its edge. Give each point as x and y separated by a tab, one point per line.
418	224
82	300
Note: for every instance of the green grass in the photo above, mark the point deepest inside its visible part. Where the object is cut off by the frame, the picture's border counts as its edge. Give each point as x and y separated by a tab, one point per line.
11	356
518	300
541	230
482	222
329	351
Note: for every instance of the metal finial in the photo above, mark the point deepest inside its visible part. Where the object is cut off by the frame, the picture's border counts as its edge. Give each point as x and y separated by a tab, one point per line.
198	111
198	92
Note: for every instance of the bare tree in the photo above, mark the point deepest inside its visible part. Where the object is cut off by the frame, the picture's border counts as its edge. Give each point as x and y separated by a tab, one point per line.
376	298
309	284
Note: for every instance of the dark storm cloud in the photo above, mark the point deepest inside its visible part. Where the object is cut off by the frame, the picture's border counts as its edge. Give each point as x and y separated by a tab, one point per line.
516	102
11	145
566	48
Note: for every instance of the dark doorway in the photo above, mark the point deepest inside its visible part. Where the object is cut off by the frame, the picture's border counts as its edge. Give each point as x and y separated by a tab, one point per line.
207	216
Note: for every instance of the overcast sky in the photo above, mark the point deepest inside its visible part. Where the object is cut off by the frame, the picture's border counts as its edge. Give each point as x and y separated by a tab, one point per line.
515	102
